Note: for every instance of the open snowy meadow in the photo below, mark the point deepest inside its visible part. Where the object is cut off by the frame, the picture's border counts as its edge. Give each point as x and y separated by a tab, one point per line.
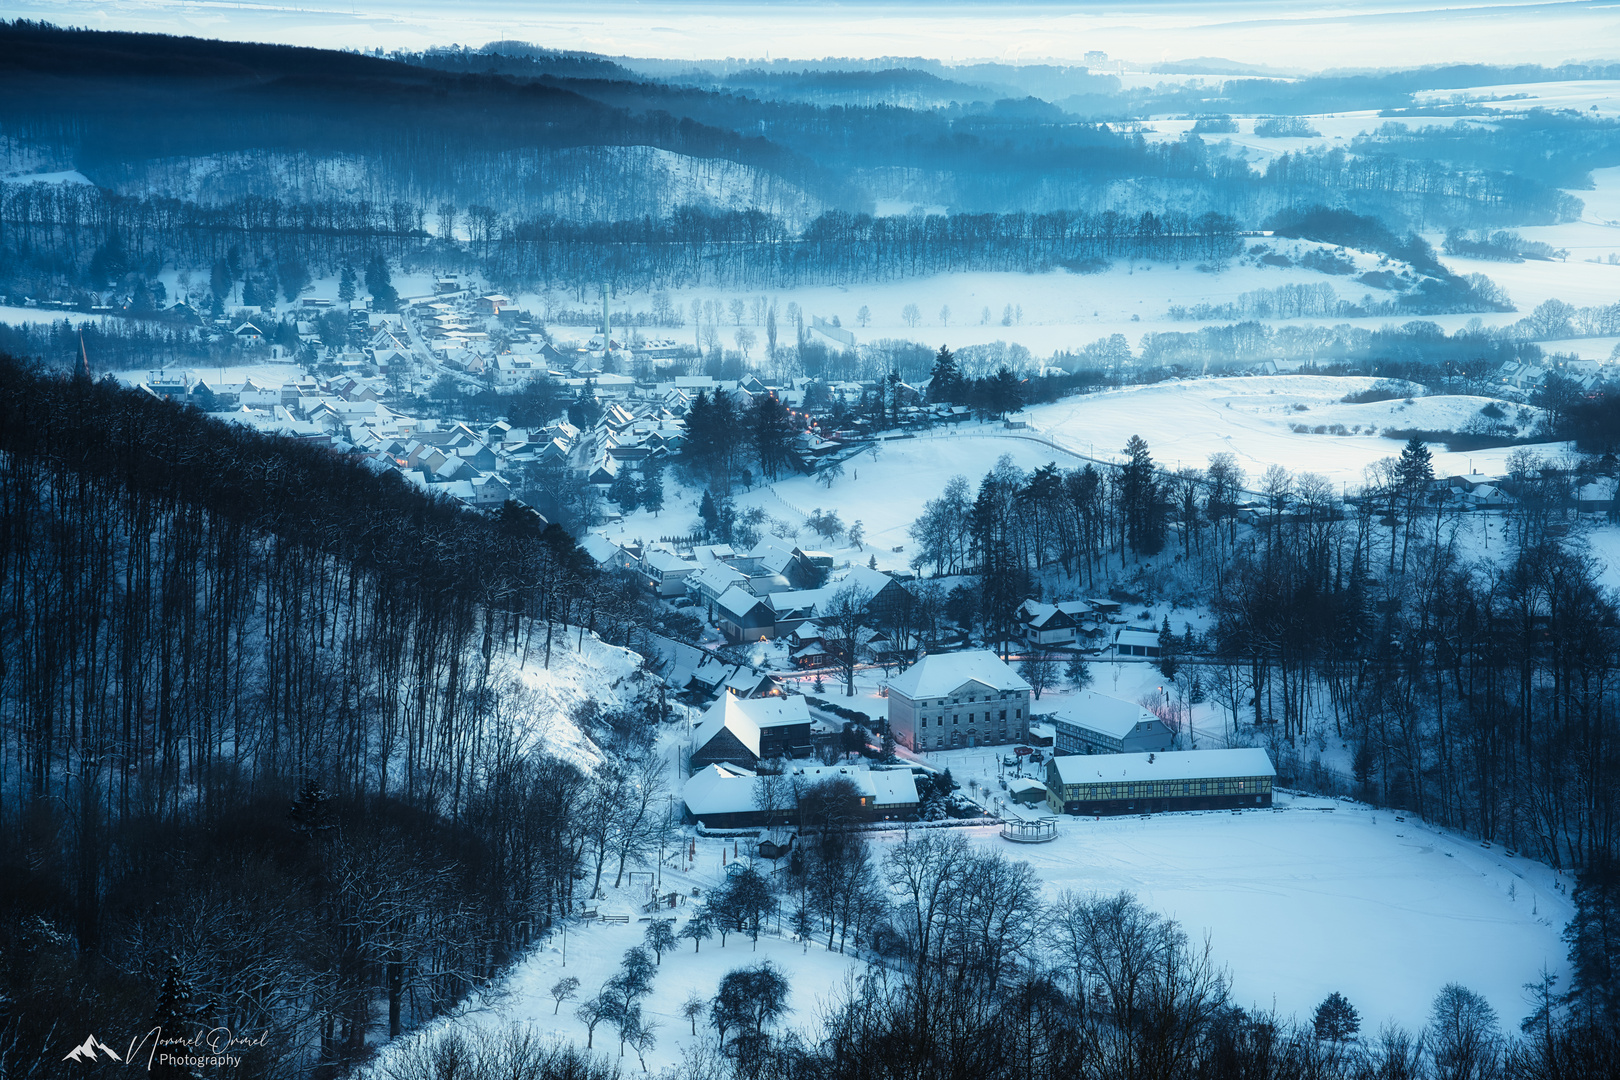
1311	896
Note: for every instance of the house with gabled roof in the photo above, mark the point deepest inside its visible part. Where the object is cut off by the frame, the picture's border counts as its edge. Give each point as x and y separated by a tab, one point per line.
725	796
1044	624
710	583
742	616
1093	723
947	700
1060	624
728	796
742	731
806	648
666	572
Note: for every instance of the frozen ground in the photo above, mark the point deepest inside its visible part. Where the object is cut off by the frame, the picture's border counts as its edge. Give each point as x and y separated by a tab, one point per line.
1188	421
266	374
1575	280
1322	895
18	316
64	176
1060	310
1298	901
1332	129
594	951
1601	96
886	492
538	697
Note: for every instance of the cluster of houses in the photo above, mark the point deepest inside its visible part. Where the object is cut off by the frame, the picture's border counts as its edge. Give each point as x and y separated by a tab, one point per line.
751	756
773	590
751	760
489	335
1592	493
347	416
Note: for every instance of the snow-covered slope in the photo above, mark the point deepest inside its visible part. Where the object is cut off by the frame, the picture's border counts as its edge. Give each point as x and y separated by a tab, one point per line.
540	700
590	183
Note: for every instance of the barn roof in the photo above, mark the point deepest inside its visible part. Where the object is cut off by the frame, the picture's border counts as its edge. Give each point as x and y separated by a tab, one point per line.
1167	765
1111	716
720	789
744	717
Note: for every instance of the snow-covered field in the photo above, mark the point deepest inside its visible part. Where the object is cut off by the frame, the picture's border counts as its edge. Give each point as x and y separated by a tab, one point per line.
1332	129
18	316
1249	417
1320	896
1574	280
64	176
1060	310
886	493
1311	897
1588	95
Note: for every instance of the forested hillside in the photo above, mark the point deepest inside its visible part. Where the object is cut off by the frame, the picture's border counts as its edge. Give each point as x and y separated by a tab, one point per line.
150	114
257	715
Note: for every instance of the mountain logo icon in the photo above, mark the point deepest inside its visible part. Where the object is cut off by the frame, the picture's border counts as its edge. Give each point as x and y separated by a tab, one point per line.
86	1051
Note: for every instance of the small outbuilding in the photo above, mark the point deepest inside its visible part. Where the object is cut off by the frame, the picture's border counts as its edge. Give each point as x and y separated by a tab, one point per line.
1092	723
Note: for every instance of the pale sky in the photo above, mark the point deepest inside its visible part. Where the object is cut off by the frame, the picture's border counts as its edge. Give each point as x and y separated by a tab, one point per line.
1308	36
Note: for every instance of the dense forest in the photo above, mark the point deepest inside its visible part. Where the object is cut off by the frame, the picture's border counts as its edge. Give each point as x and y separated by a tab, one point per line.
67	238
204	627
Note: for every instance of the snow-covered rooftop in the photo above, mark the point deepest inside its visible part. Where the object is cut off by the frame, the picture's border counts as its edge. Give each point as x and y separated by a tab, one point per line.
746	716
717	577
665	561
865	578
938	674
736	601
599	547
1167	765
885	787
720	789
1114	717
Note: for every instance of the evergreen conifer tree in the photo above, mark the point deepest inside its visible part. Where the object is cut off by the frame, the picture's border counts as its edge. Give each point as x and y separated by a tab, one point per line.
945	380
652	489
709	513
1336	1019
174	1016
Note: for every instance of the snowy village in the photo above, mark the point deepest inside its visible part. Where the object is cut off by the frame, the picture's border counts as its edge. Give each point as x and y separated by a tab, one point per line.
1067	545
